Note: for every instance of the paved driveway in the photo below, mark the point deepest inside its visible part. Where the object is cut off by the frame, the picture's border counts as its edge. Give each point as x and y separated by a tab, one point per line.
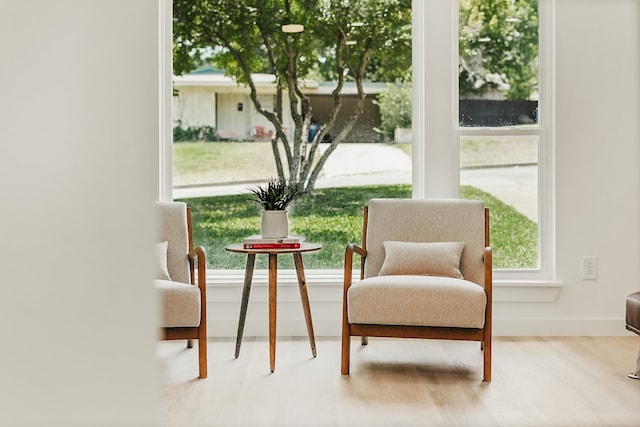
370	164
515	185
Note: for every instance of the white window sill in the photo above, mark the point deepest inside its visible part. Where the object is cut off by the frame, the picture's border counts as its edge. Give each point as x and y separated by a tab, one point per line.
503	290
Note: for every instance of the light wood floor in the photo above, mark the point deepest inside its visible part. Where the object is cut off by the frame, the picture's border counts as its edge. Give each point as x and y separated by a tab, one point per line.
537	381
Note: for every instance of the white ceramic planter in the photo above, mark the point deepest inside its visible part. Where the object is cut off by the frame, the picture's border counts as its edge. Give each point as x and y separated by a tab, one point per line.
275	224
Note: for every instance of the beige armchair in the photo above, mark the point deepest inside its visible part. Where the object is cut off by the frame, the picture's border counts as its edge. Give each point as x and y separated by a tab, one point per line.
426	272
182	292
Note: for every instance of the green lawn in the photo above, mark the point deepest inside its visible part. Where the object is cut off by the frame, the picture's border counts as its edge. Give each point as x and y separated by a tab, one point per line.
333	217
218	162
215	162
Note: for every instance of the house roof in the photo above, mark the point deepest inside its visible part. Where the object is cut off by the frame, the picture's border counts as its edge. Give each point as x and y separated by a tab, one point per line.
211	78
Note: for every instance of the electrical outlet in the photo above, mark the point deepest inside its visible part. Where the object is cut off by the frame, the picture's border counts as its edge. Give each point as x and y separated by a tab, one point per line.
589	267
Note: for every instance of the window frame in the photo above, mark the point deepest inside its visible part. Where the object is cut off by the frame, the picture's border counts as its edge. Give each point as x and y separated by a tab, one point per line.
165	59
436	160
435	167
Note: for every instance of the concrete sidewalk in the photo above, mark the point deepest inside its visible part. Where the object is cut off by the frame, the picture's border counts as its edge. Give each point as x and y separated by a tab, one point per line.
349	165
373	164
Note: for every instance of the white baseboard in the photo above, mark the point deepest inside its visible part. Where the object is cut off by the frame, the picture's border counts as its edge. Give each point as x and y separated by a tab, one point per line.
559	327
330	327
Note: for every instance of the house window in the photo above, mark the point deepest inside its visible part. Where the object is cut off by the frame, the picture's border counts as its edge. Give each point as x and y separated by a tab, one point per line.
498	129
488	134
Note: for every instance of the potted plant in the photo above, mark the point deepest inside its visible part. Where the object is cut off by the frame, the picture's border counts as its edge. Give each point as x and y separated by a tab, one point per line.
274	197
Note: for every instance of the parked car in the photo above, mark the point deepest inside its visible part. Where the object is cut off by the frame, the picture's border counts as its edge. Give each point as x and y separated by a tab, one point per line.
314	128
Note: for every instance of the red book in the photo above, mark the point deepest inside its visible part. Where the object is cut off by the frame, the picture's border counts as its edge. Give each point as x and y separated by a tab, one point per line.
256	238
271	245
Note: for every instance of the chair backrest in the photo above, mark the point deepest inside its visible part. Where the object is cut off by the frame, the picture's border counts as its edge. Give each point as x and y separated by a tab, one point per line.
172	226
413	220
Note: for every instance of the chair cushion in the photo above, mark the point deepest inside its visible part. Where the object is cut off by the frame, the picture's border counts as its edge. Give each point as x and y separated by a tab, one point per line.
160	261
416	220
180	304
417	301
432	259
172	227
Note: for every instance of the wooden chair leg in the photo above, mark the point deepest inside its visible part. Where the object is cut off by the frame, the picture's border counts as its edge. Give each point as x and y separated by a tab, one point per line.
364	340
202	347
189	343
346	349
487	359
202	358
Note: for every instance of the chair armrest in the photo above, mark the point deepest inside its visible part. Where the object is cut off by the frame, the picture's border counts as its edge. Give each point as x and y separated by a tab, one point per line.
488	269
348	273
198	255
348	262
488	288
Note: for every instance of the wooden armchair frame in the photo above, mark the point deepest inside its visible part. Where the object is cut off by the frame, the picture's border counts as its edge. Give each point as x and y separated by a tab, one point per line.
197	258
426	332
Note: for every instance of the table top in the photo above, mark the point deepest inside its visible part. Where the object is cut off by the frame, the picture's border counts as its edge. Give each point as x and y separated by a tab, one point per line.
304	247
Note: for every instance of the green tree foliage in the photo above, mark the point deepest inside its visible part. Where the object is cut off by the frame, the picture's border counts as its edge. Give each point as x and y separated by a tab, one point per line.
245	37
498	47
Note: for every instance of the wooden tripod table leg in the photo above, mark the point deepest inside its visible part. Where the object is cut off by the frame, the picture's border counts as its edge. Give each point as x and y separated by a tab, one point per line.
273	300
304	296
248	275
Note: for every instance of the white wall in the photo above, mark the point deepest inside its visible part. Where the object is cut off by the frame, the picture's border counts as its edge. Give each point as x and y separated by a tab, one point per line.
597	195
232	120
79	171
194	107
597	181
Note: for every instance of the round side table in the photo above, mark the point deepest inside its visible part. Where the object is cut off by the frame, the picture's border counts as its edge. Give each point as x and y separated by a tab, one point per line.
273	289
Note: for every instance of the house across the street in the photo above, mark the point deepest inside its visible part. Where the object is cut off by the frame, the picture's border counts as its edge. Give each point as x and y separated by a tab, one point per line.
209	98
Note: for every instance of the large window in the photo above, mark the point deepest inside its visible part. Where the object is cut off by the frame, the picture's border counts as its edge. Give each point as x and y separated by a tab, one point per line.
333	97
482	128
498	130
490	135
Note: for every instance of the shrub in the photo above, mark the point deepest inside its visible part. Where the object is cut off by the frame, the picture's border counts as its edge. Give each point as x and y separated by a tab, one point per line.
194	133
395	108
